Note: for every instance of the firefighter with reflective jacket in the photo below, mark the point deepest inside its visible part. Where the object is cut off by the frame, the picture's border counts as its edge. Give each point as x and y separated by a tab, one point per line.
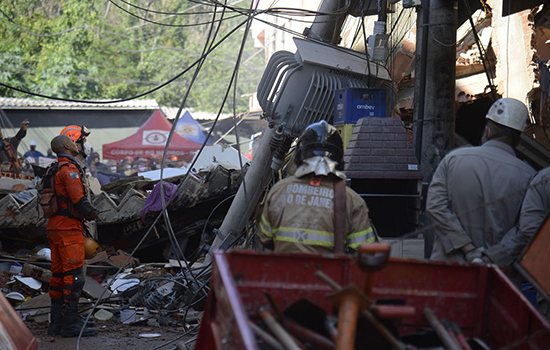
302	213
65	235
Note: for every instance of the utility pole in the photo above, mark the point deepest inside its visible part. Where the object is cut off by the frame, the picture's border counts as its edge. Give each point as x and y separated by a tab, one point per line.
326	28
434	91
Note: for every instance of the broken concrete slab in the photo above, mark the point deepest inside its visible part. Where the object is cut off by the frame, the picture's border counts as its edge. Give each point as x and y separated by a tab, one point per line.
120	258
35	309
94	289
36	272
100	257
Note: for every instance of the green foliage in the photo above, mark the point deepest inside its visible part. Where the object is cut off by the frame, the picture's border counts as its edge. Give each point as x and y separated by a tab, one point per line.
94	50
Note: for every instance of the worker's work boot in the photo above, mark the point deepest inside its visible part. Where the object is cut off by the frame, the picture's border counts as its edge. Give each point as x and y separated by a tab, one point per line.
56	317
72	323
90	322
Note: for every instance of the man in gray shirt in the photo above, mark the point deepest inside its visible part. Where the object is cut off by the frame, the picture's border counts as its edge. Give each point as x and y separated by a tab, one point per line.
534	210
476	193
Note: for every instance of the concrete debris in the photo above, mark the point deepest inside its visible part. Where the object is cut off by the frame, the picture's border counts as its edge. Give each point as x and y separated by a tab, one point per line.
121	203
94	289
129	207
155	292
35	309
103	315
100	257
16	214
37	272
120	258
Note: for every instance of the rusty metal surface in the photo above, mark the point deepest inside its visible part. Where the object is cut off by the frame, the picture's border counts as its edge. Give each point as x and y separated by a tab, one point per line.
479	299
535	259
231	319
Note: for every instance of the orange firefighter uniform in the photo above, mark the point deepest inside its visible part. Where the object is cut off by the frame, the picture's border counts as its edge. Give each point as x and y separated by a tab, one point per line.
65	231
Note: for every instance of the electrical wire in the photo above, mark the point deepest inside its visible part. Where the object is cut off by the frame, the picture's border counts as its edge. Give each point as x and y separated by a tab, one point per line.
191	302
167	24
191	166
161	214
366	48
396	46
183	13
483	53
237	65
169	81
171	233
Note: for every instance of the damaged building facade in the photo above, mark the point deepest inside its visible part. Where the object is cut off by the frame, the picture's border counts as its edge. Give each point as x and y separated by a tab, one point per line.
516	49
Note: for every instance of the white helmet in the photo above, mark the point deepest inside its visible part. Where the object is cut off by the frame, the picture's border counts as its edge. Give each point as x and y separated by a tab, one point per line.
33	143
509	112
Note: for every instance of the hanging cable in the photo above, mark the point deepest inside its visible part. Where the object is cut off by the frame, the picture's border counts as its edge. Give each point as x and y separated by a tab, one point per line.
366	47
171	233
166	24
161	213
237	65
482	52
136	96
182	13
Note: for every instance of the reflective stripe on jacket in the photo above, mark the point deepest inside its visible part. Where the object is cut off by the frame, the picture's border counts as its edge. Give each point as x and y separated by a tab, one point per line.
299	217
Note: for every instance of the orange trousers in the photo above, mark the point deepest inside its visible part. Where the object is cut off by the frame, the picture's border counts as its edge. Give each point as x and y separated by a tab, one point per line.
67	260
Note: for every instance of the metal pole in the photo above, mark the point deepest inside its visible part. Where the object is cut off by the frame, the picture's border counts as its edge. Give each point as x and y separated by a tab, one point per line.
422	23
325	27
242	207
434	91
438	135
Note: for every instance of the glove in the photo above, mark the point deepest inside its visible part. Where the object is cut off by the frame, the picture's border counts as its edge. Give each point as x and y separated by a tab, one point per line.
86	208
474	254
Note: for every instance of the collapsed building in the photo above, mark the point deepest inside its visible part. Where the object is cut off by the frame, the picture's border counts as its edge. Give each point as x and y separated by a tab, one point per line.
127	210
514	41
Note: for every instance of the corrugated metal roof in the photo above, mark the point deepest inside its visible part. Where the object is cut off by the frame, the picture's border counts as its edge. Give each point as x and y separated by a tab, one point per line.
28	103
171	112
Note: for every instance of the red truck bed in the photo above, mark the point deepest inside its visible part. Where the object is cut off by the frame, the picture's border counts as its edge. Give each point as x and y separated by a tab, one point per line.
481	300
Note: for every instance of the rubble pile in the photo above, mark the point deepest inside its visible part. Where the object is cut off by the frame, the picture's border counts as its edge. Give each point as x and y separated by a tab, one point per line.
124	211
144	293
155	295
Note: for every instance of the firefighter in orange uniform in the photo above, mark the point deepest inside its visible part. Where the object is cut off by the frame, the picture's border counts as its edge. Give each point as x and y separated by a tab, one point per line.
79	134
65	234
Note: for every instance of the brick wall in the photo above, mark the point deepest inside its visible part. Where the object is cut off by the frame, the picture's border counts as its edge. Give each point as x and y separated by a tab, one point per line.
379	148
